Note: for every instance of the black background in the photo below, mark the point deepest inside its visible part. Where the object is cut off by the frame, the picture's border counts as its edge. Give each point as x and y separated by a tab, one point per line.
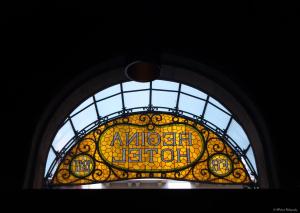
45	45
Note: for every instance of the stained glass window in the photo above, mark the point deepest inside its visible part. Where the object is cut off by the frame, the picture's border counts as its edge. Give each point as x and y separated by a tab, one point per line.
227	160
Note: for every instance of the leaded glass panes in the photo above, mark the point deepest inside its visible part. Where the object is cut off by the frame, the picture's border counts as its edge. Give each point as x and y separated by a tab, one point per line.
112	100
151	146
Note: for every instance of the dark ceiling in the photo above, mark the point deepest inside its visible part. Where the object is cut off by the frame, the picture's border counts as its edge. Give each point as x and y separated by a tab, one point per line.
255	43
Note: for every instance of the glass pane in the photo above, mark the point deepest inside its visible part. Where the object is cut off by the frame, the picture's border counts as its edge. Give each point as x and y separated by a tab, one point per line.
136	99
63	135
217	103
85	118
160	84
216	116
83	105
133	85
110	105
193	91
236	132
164	99
51	157
251	157
190	104
108	92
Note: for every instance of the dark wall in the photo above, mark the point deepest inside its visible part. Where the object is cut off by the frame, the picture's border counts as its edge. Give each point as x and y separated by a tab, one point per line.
44	46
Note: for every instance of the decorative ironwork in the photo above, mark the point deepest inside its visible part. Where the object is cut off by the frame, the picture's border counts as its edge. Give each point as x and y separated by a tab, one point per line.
119	149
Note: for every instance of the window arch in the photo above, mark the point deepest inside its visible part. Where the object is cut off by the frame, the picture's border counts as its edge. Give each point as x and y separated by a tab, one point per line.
161	96
178	85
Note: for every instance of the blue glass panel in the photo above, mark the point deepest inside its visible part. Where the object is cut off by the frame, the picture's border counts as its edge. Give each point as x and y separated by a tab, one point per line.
136	99
164	99
133	85
216	116
85	118
193	91
190	104
108	92
63	135
236	132
110	105
217	103
251	158
50	158
160	84
83	105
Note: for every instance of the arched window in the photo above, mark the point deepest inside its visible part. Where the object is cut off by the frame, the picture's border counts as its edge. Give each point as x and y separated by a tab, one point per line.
181	130
222	154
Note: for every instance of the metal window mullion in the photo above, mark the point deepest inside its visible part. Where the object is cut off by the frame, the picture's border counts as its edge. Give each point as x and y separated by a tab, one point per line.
55	152
205	106
228	125
246	150
96	107
165	90
178	97
136	90
110	96
81	110
150	95
193	96
122	95
72	125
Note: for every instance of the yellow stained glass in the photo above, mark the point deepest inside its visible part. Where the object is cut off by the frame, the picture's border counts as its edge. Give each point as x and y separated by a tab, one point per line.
151	145
220	165
82	165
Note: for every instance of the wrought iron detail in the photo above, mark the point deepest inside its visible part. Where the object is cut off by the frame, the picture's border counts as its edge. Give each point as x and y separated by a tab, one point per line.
219	163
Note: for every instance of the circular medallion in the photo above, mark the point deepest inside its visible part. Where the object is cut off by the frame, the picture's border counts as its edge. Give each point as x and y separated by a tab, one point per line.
82	165
220	165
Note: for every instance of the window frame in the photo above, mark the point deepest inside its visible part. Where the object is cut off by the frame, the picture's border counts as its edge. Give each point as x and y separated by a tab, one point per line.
94	80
